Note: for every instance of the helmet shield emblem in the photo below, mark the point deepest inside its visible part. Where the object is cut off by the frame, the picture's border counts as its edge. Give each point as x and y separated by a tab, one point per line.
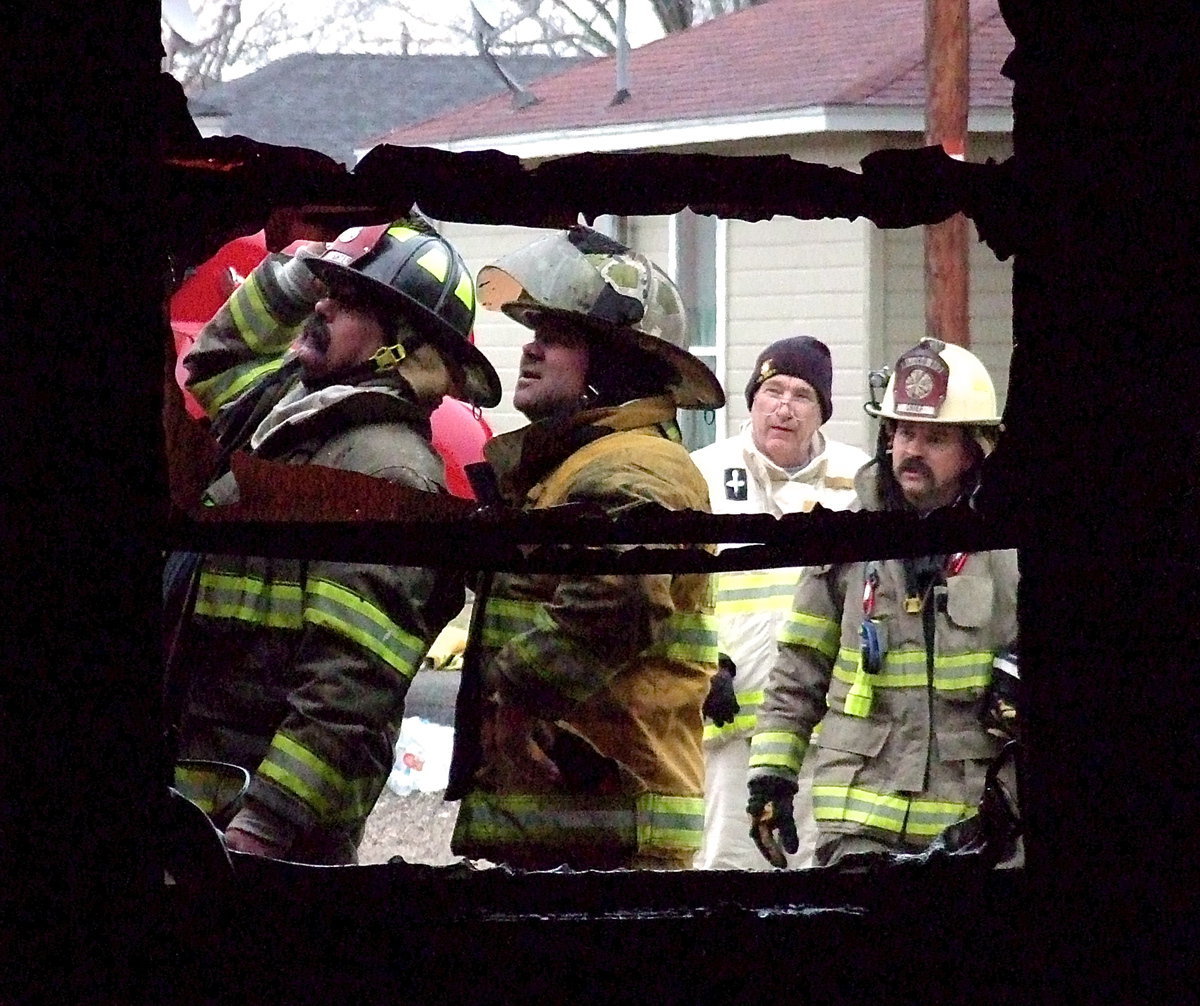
922	379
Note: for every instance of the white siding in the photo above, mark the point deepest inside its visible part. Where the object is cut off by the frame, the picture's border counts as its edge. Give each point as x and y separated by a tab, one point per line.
989	308
798	277
857	288
495	334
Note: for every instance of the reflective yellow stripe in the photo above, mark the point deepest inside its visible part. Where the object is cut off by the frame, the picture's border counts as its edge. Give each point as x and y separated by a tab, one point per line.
402	232
777	749
651	821
745	593
802	629
250	314
229	384
669	822
342	611
688	636
435	262
465	291
285	605
895	813
208	789
315	782
251	599
745	720
685	636
906	669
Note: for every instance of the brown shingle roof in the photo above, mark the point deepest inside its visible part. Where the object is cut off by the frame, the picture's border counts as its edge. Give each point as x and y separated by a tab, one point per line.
780	55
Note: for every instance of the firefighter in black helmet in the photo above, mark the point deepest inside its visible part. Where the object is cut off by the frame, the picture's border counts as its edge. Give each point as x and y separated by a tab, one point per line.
297	670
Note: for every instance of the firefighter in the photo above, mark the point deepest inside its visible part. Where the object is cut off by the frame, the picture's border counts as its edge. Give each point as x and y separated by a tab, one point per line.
894	657
297	670
779	462
589	750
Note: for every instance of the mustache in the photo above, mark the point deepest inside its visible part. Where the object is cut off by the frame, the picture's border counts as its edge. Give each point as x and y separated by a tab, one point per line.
316	331
916	466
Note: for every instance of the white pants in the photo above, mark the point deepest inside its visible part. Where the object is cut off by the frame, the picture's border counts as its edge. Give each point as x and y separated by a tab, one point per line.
727	844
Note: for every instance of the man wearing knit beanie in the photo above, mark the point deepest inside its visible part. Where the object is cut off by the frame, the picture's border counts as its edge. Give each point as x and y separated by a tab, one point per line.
779	462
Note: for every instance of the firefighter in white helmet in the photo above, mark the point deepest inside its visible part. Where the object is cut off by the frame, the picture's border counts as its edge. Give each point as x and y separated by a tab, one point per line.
585	749
896	658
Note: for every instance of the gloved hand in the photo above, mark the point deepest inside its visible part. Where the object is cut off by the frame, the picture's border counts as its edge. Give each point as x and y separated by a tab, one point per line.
770	809
1000	708
721	705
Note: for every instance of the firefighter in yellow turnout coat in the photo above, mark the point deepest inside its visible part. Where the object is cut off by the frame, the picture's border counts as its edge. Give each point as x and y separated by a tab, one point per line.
591	725
895	657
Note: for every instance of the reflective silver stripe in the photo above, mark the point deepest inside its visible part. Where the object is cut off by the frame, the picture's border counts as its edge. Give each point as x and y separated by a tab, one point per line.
332	606
250	308
285	605
859	806
316	783
780	751
250	599
686	635
745	720
906	669
748	592
229	384
560	661
669	822
208	789
650	821
506	617
889	812
802	629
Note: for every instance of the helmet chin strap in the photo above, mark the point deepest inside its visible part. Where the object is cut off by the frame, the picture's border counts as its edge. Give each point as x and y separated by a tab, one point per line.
382	360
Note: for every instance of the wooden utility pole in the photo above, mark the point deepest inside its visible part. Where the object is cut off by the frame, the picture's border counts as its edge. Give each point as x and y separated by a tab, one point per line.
947	96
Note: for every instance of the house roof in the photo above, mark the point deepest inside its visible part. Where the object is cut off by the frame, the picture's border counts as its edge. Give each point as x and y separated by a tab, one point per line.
335	103
778	57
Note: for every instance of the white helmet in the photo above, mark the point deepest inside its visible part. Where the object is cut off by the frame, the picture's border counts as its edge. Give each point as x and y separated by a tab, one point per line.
936	382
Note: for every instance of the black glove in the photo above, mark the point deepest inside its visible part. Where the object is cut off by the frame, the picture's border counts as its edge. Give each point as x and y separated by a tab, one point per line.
1000	714
770	809
721	705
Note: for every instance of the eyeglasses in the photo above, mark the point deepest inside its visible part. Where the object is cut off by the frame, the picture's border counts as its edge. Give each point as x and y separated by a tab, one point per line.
794	403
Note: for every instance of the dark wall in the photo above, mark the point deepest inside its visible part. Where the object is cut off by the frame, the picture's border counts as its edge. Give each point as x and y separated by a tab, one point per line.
1100	457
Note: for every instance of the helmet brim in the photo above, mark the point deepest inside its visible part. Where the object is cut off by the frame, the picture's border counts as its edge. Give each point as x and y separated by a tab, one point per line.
482	383
878	412
697	387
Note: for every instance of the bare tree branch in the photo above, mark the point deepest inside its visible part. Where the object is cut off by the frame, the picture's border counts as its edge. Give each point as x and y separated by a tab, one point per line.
243	34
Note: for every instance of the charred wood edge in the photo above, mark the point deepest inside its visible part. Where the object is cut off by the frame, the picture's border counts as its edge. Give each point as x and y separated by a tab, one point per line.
232	185
462	892
650	543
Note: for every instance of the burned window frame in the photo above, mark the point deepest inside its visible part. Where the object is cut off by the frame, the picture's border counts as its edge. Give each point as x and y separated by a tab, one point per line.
310	199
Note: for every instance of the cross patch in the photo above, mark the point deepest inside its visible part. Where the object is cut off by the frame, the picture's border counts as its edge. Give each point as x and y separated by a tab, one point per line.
736	484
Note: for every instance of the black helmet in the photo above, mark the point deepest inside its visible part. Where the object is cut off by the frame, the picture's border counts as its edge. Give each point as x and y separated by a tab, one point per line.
415	272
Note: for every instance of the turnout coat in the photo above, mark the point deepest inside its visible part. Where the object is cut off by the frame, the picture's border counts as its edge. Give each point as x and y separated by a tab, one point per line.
901	753
298	669
617	666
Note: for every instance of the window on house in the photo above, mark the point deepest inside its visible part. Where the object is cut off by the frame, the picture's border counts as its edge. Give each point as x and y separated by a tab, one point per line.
696	261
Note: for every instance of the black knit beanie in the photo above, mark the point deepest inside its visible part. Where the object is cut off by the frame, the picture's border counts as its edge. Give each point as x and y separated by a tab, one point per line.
799	356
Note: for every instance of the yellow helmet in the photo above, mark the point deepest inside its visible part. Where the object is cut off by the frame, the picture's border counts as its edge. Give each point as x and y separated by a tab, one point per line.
937	382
